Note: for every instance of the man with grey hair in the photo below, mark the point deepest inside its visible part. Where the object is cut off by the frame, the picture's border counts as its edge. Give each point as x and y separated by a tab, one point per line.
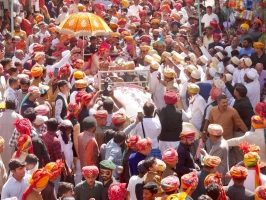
30	38
261	73
19	57
62	16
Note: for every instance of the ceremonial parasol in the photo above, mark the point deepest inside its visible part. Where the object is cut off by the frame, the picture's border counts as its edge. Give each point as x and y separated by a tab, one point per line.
84	24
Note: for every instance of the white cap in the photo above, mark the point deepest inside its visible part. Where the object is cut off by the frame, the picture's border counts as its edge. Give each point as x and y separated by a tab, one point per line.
235	60
230	68
192	56
196	74
228	77
212	71
220	55
218	83
20	76
247	61
219	47
251	74
40	120
204	59
154	64
214	60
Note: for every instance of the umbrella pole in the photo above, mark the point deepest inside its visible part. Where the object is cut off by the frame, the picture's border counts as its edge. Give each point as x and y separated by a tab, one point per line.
83	48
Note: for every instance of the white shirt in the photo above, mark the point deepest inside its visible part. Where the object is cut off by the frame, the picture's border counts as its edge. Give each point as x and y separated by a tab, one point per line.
152	128
253	92
46	34
236	76
12	95
133	181
55	41
206	19
249	183
134	10
59	106
73	8
228	49
157	89
195	111
61	18
14	188
67	149
242	74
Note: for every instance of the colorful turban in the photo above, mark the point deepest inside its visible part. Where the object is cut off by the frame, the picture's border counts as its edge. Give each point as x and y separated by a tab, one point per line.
65	69
254	148
90	171
260	193
39	55
39	18
78	64
79	96
118	118
42	109
125	33
215	129
170	183
36	71
177	6
46	39
117	191
78	74
215	92
170	97
104	47
122	21
23	126
193	88
131	142
211	161
100	114
189	181
86	98
158	14
143	144
187	134
165	8
260	109
2	141
128	38
244	26
115	34
258	122
39	179
161	166
145	25
64	37
170	156
155	21
55	168
216	178
252	159
178	196
258	21
38	48
169	72
238	171
258	45
218	36
23	144
80	84
73	109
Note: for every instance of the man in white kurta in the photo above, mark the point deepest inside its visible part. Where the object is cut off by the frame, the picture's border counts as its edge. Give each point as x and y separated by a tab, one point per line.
253	87
157	89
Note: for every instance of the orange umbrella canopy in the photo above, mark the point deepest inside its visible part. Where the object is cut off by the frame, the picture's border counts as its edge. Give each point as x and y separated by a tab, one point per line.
84	24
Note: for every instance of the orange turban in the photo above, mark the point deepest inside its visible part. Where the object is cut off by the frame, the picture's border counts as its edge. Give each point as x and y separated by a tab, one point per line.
129	38
211	161
100	114
258	122
36	71
155	21
39	179
258	21
238	171
118	118
81	84
54	168
143	144
64	37
258	45
39	18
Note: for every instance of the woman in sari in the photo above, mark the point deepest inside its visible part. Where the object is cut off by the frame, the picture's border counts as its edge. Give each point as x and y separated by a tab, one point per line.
27	22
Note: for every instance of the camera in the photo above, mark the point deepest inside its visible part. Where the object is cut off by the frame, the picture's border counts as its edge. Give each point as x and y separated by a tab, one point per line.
107	87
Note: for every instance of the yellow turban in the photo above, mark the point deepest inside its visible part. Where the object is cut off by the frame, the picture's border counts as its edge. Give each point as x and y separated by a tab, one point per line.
115	34
40	178
191	68
169	72
155	21
258	122
130	38
78	74
245	26
2	141
113	25
125	3
178	196
238	171
125	33
193	88
251	159
39	55
161	165
36	71
258	45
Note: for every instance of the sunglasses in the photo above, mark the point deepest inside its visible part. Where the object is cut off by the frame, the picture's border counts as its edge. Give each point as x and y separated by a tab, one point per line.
105	172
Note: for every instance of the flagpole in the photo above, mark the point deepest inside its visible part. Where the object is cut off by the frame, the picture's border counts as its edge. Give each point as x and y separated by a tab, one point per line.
12	18
200	29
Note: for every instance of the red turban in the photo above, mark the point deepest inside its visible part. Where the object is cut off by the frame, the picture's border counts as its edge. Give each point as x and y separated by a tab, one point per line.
65	69
119	118
90	171
218	36
86	98
55	168
117	191
100	114
170	97
132	141
78	64
215	92
261	109
143	144
79	96
178	6
23	126
170	156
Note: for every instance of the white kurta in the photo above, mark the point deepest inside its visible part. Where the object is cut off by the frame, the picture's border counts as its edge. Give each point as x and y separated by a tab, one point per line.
157	89
256	137
253	92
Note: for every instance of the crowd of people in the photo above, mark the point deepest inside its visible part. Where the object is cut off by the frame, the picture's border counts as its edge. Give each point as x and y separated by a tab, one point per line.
188	123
